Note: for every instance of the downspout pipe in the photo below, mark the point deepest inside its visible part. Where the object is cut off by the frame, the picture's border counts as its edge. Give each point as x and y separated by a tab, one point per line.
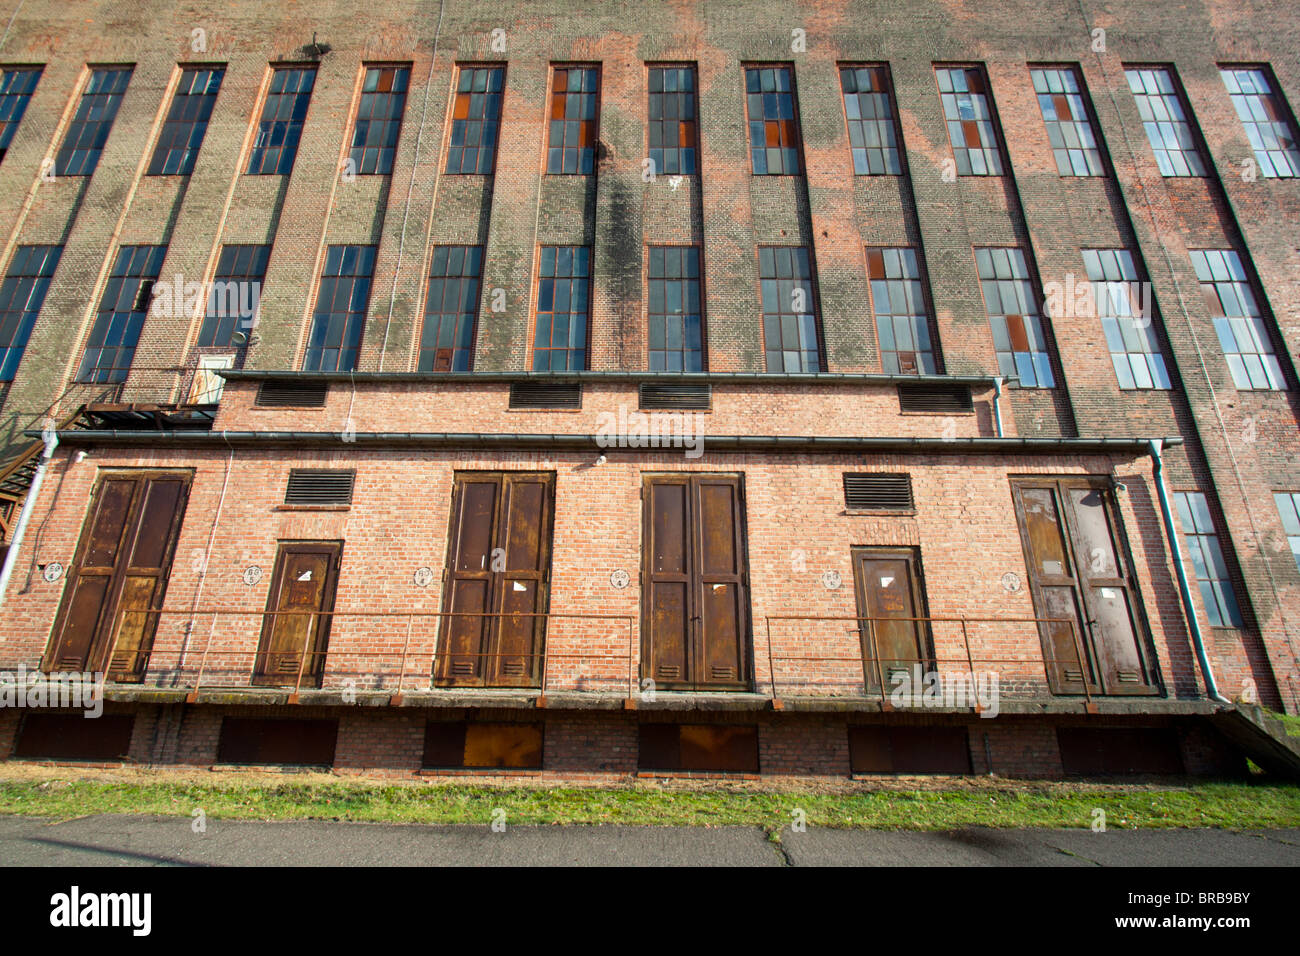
29	504
997	404
1189	609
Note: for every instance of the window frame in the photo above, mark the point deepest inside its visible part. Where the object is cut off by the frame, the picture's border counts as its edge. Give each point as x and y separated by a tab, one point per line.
693	68
1185	553
1265	318
1106	169
260	117
189	153
473	318
11	354
1035	298
365	148
343	346
647	313
461	69
796	119
60	164
1201	149
1280	103
10	126
100	374
927	303
891	98
995	121
816	306
533	348
595	121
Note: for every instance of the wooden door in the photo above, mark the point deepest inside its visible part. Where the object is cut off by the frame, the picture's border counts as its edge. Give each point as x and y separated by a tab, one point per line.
118	578
695	617
497	579
890	598
296	627
1079	571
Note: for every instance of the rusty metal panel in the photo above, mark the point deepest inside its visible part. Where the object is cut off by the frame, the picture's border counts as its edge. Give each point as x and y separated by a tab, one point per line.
499	577
119	574
1119	750
303	583
696	601
256	740
699	748
74	737
885	749
888	584
1079	569
457	744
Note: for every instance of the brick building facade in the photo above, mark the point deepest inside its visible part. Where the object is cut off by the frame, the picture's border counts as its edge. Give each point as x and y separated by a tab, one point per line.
834	249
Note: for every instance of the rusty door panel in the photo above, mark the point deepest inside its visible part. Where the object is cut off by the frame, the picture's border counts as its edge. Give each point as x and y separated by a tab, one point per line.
1108	590
668	583
303	583
525	539
119	575
1079	570
145	578
499	577
696	599
888	584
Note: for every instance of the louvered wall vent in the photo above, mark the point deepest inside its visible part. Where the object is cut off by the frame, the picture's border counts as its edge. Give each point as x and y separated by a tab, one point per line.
288	392
676	395
546	395
935	398
320	486
878	492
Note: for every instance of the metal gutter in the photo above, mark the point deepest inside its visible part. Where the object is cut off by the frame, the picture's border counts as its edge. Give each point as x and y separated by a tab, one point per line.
581	441
11	556
717	378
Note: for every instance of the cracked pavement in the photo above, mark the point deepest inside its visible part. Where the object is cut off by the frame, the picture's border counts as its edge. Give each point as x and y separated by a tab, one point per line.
120	840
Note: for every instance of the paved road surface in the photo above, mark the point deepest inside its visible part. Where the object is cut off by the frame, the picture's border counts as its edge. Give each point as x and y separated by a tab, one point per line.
170	841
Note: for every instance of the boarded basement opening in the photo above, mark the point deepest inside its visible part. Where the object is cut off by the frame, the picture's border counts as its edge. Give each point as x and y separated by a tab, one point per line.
258	740
75	737
909	750
704	748
461	744
1101	751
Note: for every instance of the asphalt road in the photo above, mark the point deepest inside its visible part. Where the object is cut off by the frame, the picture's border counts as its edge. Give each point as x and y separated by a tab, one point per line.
171	841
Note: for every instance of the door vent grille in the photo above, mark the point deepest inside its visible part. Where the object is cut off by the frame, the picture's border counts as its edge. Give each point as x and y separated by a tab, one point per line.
546	395
952	399
676	395
286	393
315	486
878	492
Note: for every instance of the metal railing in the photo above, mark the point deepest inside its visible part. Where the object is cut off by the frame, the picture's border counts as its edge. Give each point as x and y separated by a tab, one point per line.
397	652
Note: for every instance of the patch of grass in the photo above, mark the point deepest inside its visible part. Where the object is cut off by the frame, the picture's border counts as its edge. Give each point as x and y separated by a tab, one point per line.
1236	805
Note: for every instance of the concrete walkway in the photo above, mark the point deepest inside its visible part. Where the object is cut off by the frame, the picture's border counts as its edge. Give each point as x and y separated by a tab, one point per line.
170	841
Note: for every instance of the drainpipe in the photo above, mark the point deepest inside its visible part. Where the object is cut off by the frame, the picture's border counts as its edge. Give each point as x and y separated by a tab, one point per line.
11	558
1189	609
997	404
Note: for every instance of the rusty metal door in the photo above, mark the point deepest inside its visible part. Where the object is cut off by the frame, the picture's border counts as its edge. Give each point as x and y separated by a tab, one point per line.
296	627
1079	571
119	576
695	617
890	597
497	580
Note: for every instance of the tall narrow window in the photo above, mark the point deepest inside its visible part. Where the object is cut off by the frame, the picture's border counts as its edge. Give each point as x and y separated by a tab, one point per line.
1069	129
873	138
968	111
122	311
235	294
21	298
1124	305
1269	125
447	342
187	122
1207	559
672	119
1288	509
379	119
902	320
280	128
675	313
1166	122
1247	346
476	119
92	123
773	124
790	334
341	305
16	89
563	293
1018	336
575	103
